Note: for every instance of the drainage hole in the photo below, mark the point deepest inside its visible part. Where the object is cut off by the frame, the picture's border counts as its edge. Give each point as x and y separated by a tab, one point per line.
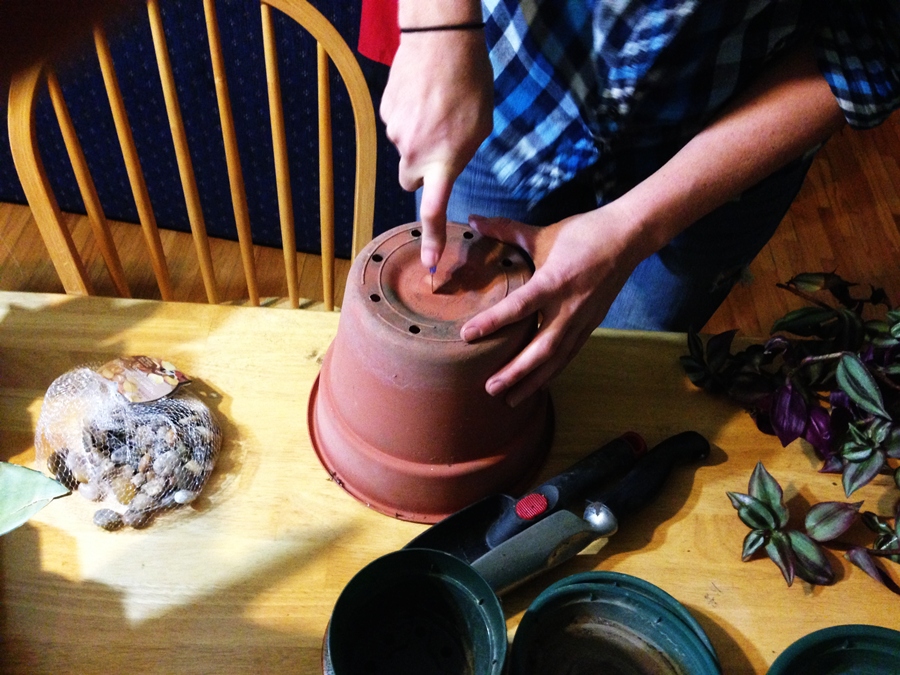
415	330
468	235
506	262
415	233
375	297
376	257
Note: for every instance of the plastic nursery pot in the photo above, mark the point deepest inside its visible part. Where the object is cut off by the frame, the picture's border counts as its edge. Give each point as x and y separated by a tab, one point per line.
399	415
606	622
416	611
856	649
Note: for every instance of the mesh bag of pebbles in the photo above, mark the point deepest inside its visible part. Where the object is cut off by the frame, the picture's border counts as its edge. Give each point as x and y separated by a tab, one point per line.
128	437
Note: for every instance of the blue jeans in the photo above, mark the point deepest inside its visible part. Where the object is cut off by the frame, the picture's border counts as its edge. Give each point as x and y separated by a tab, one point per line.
681	286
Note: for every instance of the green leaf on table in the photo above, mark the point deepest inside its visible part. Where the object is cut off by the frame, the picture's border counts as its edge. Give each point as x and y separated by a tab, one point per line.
857	382
806	321
752	543
718	350
857	474
860	557
752	512
829	520
24	492
695	370
877	524
810	563
767	490
780	551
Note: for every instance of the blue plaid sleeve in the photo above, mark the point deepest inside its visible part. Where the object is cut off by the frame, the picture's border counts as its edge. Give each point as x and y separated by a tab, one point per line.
858	50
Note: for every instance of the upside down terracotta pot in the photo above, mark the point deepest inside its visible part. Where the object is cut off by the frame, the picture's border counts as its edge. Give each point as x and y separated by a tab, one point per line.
399	415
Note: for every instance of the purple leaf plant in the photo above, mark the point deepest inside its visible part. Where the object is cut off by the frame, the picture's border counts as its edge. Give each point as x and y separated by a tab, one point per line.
830	375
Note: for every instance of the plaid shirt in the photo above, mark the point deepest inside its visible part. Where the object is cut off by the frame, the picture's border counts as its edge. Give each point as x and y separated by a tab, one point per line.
617	87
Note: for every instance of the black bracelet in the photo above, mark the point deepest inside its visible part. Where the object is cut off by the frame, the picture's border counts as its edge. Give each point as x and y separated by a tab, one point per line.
473	25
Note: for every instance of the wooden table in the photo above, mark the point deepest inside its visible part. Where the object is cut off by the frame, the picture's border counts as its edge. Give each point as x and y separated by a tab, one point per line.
245	579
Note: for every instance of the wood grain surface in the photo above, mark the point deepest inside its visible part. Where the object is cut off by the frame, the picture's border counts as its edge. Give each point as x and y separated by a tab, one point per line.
244	580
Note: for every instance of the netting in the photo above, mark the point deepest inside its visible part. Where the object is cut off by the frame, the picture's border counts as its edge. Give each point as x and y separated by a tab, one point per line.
100	436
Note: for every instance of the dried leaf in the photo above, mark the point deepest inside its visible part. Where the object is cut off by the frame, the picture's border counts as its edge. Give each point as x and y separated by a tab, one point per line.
767	490
829	520
24	492
810	281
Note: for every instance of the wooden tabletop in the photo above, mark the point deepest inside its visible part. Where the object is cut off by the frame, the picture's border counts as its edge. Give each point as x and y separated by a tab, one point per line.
245	578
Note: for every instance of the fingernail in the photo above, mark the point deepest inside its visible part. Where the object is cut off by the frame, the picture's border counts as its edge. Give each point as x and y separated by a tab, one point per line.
494	387
429	259
471	333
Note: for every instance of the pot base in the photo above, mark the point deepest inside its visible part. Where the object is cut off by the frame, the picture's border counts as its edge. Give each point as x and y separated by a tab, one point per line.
421	492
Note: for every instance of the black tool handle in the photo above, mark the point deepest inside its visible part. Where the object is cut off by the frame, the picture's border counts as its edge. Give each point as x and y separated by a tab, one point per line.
563	489
645	480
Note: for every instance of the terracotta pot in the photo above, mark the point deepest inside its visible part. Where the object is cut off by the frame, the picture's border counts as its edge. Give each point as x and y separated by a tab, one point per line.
399	415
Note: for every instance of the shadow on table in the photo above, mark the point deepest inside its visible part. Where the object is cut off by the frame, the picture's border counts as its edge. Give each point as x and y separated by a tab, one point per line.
83	627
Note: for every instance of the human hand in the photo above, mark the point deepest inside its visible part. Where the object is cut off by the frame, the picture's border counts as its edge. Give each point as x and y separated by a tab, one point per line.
438	108
581	264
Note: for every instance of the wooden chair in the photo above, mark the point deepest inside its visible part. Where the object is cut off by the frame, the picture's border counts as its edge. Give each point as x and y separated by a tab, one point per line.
63	251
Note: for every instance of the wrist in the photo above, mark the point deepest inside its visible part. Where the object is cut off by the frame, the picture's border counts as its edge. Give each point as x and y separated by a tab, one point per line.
442	28
628	221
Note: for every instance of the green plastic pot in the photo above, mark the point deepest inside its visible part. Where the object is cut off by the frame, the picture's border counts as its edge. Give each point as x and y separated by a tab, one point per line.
852	649
610	622
412	612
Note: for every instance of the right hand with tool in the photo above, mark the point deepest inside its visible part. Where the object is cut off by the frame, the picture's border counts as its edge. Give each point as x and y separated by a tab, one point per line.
437	106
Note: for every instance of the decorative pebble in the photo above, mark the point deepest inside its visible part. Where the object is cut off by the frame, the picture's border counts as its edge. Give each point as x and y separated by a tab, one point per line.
90	491
148	457
166	463
184	496
155	487
64	476
123	489
141	502
137	519
108	519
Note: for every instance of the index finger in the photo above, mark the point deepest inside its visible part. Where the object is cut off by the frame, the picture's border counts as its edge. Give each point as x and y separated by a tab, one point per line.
436	187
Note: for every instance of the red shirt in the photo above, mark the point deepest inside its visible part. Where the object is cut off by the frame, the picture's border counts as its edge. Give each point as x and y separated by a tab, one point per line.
379	34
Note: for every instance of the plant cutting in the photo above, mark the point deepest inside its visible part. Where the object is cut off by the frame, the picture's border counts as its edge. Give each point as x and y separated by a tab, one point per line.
830	375
24	492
